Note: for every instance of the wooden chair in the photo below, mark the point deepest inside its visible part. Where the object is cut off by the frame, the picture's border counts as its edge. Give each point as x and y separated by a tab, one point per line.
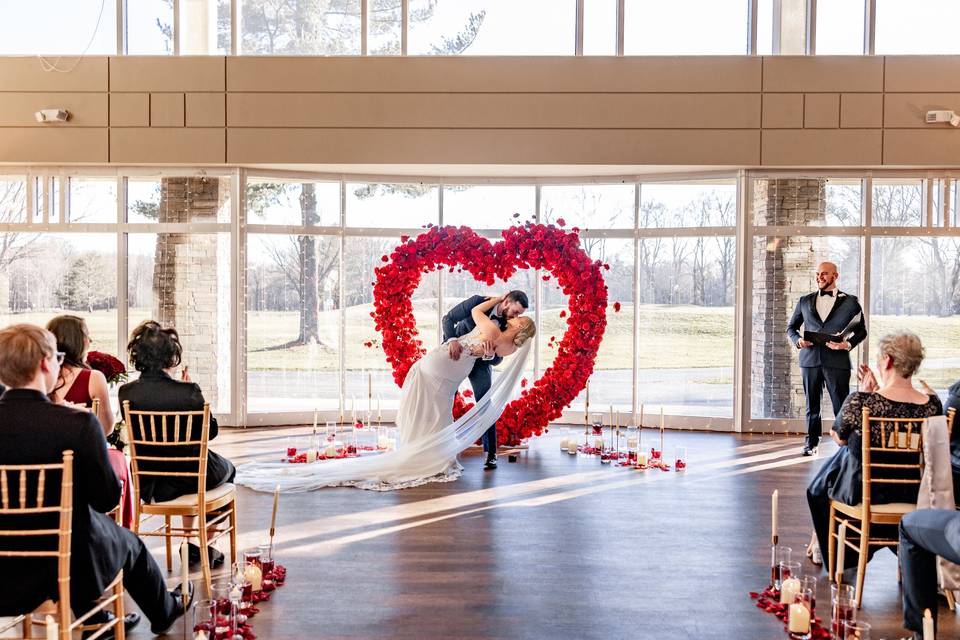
19	476
901	441
172	431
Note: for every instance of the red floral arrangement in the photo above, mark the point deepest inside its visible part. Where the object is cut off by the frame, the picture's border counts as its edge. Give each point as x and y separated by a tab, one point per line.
531	246
114	370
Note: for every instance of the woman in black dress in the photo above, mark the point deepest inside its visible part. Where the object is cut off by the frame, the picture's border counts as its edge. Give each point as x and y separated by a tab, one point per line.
888	394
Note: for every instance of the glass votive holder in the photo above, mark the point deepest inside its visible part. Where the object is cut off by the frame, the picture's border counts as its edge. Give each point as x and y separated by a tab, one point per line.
266	558
596	424
809	583
204	616
243	574
843	610
798	620
252	555
789	581
779	554
856	630
220	592
331	430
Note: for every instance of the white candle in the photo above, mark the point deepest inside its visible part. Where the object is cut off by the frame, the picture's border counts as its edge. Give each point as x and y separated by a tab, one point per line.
314	422
789	590
254	576
640	424
610	423
927	625
632	442
201	635
841	550
185	571
799	619
53	629
564	442
236	595
572	448
273	516
641	459
598	443
330	451
774	514
311	456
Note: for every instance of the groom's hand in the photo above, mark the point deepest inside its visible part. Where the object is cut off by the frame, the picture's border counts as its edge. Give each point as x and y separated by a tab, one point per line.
455	350
489	349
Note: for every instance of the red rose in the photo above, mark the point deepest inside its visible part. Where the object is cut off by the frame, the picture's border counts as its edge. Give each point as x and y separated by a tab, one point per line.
616	307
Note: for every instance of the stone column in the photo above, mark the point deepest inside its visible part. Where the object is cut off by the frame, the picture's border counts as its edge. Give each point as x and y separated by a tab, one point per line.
782	272
185	276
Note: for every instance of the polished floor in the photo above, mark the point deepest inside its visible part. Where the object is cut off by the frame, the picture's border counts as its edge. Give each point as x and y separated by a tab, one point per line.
552	546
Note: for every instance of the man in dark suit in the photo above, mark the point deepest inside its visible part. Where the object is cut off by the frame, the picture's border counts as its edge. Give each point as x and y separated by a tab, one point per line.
833	325
924	535
35	431
459	322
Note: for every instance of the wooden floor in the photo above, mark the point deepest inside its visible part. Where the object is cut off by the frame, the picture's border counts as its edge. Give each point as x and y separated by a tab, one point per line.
553	546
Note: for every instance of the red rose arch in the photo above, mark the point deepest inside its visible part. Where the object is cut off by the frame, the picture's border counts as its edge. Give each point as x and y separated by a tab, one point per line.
532	246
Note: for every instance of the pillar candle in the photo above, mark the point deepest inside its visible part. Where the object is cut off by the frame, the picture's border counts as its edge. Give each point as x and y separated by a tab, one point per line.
789	589
927	625
641	458
312	455
52	628
775	516
799	619
572	449
254	576
841	550
330	451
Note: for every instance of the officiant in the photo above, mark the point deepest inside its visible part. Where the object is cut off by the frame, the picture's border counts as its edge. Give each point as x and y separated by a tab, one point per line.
833	324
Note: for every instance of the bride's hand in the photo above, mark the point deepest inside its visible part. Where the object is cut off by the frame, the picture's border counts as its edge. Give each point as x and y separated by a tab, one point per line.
489	349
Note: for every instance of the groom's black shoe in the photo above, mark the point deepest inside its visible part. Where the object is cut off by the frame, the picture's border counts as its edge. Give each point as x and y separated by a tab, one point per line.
491	462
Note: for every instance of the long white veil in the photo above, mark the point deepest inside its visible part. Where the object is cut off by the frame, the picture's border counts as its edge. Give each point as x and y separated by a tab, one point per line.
417	462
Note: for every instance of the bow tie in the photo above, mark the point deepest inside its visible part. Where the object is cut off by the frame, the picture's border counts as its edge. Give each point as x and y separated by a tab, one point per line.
826	293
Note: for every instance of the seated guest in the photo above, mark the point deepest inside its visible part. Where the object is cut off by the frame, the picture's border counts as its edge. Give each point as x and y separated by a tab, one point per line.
33	430
898	357
78	383
154	351
924	535
953	401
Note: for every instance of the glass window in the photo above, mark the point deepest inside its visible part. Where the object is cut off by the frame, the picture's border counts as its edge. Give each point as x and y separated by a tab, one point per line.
807	202
271	201
384	24
492	27
58	27
840	27
783	271
918	26
687	27
181	199
293	322
92	200
310	27
361	256
691	204
600	27
183	280
398	206
914	286
489	206
686	296
588	206
204	27
764	20
612	379
898	203
844	202
149	27
13	199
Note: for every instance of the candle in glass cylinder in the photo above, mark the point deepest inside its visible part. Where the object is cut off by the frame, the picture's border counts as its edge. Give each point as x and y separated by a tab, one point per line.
330	451
789	589
253	575
799	621
572	448
312	455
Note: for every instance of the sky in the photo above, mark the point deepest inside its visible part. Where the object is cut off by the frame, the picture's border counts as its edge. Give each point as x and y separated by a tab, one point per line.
524	27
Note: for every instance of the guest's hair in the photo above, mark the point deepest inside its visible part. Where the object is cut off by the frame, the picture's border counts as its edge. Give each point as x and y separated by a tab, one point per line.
22	347
906	351
528	329
153	348
518	296
70	332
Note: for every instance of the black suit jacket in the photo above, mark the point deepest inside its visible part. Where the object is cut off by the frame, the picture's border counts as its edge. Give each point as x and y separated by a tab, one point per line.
35	431
459	322
156	391
845	309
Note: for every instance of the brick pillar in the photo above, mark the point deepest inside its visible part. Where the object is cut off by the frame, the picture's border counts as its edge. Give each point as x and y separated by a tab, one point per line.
782	272
185	277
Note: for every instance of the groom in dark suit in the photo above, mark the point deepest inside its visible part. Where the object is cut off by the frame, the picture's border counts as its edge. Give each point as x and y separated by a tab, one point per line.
833	325
459	322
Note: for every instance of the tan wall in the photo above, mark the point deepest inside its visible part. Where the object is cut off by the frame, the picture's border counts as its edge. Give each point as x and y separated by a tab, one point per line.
736	110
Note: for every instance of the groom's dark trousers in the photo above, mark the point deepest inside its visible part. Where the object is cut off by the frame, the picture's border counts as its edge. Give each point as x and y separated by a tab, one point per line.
459	322
924	535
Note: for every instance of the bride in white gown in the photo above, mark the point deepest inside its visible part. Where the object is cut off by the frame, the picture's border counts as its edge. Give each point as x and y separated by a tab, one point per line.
429	437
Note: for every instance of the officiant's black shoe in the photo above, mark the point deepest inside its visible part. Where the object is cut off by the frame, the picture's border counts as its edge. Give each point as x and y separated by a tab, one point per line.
491	462
130	622
809	451
178	611
214	555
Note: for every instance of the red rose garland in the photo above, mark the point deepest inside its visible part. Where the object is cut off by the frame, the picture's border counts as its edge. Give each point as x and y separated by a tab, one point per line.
532	246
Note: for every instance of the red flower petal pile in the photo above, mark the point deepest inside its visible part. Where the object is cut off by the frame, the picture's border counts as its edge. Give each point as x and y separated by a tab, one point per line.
531	246
769	601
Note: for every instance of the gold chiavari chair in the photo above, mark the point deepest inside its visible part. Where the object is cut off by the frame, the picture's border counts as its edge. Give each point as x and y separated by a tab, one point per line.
19	479
171	431
900	462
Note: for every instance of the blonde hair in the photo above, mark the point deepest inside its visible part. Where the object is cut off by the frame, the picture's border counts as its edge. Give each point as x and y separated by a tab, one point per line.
527	330
906	351
22	347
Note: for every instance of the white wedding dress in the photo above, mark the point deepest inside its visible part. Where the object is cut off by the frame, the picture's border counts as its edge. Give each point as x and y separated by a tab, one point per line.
429	438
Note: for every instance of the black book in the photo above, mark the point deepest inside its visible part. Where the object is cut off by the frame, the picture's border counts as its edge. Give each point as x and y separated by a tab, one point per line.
821	338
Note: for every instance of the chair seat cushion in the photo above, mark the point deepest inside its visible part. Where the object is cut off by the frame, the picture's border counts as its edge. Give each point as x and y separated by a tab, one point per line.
890	508
191	499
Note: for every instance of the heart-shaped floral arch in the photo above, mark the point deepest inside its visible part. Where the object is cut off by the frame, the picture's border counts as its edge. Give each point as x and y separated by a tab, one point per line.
532	246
